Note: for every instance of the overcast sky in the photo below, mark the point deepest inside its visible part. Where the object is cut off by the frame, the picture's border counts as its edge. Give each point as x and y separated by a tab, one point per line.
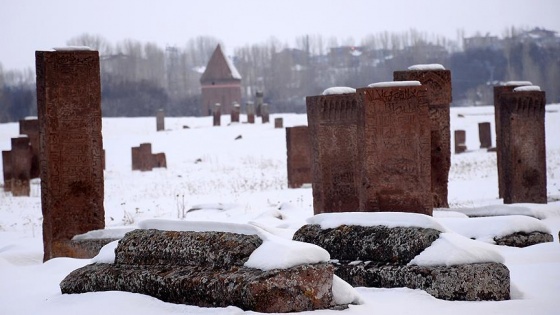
29	25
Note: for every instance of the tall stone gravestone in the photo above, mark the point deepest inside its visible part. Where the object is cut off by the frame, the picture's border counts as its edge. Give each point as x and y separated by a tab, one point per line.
160	120
235	111
259	98
250	108
299	156
460	141
498	90
7	170
438	81
30	127
265	114
485	135
394	147
69	109
21	157
332	120
522	145
217	114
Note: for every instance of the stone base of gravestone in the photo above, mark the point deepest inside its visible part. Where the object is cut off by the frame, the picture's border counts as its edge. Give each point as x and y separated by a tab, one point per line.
379	256
204	269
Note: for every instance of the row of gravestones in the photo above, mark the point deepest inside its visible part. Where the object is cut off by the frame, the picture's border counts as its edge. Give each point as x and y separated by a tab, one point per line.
370	149
484	136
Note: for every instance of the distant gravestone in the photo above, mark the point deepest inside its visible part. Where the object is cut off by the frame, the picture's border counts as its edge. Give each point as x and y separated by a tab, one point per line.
265	114
438	81
498	91
299	156
143	159
484	135
394	148
522	146
235	111
30	127
69	110
21	166
135	158
160	160
278	122
259	96
217	114
250	108
7	170
332	121
160	120
460	141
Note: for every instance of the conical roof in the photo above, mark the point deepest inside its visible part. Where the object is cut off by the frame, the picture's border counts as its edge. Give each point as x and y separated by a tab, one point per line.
219	68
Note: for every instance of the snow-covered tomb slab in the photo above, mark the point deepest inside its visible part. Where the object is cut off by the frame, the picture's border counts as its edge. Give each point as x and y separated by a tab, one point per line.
394	84
216	269
408	250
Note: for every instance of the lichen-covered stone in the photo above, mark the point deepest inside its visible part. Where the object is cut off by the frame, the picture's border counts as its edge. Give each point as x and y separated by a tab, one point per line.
397	245
470	282
521	239
212	249
301	288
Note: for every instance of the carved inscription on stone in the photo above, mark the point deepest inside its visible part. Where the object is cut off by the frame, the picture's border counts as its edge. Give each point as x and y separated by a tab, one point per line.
332	121
394	143
69	110
522	147
439	98
299	156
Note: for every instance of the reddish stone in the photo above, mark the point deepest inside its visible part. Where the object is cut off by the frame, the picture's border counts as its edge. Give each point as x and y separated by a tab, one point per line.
160	120
259	96
439	98
265	115
484	135
160	160
522	146
250	107
394	149
30	127
332	121
135	158
21	157
146	159
460	141
235	111
69	110
7	170
217	114
299	156
278	122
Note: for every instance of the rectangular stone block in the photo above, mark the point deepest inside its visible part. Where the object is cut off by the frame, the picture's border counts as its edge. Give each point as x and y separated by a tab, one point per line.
299	156
235	111
265	114
7	170
484	135
522	147
216	114
250	107
30	127
146	162
160	120
332	121
279	122
71	145
439	98
460	141
21	156
394	146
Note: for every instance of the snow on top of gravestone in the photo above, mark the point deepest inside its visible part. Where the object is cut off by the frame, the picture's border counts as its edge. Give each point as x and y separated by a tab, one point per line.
388	219
395	83
487	228
430	66
197	226
520	83
72	48
499	210
338	90
30	118
453	249
527	88
116	233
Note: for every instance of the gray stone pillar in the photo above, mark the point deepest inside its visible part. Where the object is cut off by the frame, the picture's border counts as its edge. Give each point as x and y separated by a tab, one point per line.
160	120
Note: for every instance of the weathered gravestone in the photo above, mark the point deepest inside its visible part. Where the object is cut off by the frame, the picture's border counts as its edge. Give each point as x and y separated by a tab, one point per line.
69	110
484	135
160	120
259	96
235	111
250	108
332	120
21	158
522	145
460	141
498	90
394	147
217	114
7	170
299	156
265	114
30	127
278	122
143	159
438	81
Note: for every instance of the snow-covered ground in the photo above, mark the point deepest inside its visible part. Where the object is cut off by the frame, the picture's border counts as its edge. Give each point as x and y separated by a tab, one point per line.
213	177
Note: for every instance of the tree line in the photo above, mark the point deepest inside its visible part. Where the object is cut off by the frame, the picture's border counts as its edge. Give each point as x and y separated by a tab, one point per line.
139	78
